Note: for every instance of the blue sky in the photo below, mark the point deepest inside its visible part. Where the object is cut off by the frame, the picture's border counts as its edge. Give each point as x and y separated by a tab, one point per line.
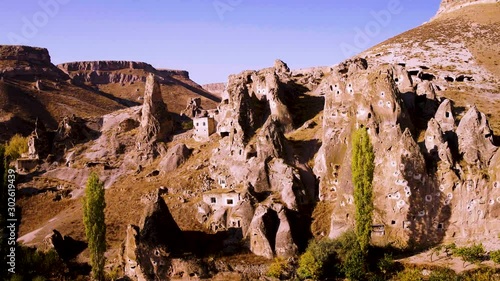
209	38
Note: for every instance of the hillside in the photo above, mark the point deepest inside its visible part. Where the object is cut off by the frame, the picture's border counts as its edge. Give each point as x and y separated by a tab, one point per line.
31	88
458	51
268	166
125	80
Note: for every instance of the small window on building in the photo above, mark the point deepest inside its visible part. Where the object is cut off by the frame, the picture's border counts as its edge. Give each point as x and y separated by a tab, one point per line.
230	201
213	200
197	124
203	123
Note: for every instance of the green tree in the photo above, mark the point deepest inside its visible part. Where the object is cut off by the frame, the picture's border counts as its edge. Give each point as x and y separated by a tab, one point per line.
318	261
95	227
354	266
362	172
16	146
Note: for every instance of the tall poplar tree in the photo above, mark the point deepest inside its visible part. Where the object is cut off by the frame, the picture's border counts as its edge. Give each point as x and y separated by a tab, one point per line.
95	226
362	172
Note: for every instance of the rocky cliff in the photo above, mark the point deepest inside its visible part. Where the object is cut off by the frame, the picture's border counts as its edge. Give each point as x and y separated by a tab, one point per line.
420	196
215	88
27	61
106	72
448	6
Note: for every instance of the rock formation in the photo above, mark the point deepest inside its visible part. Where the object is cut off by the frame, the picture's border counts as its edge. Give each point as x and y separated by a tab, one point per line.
174	158
148	248
156	122
475	138
215	88
193	108
448	6
122	72
24	61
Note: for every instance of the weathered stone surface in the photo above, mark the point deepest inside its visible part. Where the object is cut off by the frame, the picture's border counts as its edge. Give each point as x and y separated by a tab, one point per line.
285	244
433	138
156	122
262	232
122	72
448	6
39	145
444	116
148	249
193	108
175	157
475	138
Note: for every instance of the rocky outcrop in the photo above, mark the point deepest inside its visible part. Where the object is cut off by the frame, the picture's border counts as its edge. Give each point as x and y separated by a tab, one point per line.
156	122
361	95
28	61
25	53
148	249
39	145
215	88
193	108
475	138
174	158
270	232
448	6
122	72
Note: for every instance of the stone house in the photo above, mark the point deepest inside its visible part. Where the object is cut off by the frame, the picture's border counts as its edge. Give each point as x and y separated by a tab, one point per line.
218	199
203	127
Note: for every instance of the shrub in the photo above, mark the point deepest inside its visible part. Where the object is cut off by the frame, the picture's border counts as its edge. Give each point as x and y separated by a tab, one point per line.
187	125
495	256
354	266
473	254
409	275
277	268
318	260
444	274
32	263
483	274
386	264
16	146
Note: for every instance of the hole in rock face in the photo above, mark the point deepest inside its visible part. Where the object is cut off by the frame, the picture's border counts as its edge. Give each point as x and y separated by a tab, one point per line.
393	222
440	226
447	115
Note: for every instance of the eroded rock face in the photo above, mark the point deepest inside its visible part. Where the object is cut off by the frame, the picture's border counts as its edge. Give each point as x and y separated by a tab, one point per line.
156	122
25	53
361	95
448	6
175	156
148	248
417	201
29	62
270	232
39	145
475	138
122	72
